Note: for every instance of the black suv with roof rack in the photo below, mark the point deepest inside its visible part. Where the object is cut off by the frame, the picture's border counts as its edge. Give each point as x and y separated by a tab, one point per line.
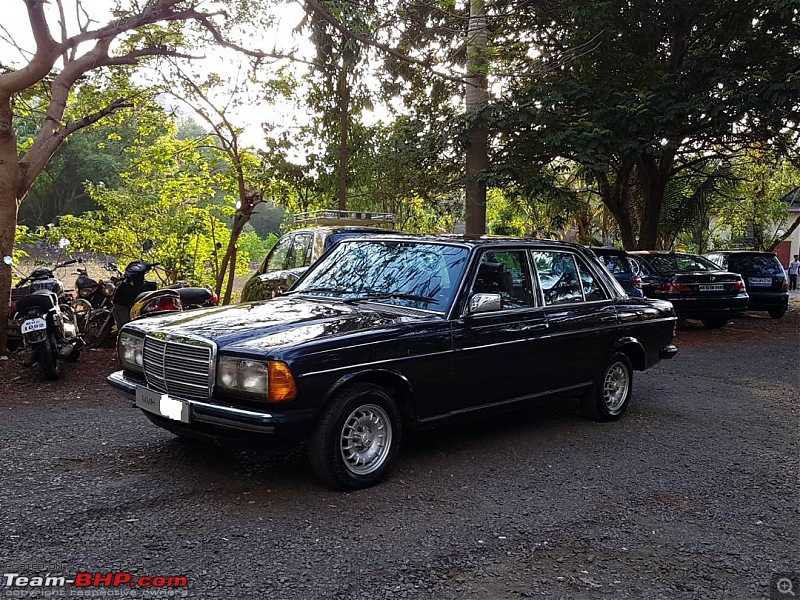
297	250
763	276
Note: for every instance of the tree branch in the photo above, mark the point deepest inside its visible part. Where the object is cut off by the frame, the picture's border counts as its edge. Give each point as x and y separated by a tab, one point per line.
324	14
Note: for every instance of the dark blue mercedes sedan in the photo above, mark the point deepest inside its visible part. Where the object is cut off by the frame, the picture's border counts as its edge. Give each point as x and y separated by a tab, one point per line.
387	333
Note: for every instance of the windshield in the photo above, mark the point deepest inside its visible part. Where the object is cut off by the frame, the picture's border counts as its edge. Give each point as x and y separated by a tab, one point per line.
406	273
680	263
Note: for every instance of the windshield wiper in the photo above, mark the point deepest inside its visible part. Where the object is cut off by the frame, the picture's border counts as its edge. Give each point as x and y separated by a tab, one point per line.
312	290
392	296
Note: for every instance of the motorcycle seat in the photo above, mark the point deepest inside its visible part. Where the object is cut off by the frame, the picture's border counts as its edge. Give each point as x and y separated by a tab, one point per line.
154	293
194	296
43	299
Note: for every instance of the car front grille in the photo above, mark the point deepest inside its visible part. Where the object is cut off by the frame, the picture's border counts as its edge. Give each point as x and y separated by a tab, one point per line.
179	368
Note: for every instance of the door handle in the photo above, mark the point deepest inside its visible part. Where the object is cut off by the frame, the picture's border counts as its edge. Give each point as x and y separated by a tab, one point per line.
533	327
609	319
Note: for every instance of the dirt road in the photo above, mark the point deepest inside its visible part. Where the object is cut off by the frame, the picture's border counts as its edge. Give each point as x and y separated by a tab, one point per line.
692	495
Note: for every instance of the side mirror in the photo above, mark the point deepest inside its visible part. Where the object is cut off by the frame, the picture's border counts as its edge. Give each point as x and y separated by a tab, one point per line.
7	260
481	303
63	243
147	245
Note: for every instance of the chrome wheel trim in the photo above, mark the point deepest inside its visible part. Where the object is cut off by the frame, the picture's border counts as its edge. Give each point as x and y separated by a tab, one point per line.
365	439
616	384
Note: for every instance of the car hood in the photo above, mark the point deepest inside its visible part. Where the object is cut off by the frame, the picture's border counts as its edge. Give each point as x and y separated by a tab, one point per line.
260	326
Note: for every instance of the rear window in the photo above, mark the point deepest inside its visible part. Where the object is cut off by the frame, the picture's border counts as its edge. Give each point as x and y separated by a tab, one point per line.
767	264
680	263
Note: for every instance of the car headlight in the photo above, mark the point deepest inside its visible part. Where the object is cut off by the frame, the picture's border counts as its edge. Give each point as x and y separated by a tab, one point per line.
130	348
268	380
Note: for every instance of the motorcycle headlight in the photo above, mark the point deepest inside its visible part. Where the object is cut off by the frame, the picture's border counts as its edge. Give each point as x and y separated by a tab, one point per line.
268	380
130	348
108	289
85	292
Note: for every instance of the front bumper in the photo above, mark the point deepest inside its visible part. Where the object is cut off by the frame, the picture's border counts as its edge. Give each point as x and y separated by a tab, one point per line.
225	422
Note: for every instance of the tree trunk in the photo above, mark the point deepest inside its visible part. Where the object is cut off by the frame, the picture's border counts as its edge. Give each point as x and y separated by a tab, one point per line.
616	197
9	206
476	97
653	183
344	130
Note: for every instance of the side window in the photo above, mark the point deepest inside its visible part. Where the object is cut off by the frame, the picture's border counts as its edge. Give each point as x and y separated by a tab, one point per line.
615	264
505	273
276	261
558	277
300	256
592	289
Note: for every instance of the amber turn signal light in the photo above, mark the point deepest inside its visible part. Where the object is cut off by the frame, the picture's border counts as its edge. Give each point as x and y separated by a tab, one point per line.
280	386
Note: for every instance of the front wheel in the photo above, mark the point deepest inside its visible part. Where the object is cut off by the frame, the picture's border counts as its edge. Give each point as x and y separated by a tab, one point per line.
777	313
611	393
48	358
356	438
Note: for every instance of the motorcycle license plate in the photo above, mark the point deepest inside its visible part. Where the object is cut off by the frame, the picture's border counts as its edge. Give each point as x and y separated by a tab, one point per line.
32	325
162	405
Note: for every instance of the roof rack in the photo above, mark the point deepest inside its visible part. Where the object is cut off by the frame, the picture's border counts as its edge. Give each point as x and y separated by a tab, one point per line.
345	217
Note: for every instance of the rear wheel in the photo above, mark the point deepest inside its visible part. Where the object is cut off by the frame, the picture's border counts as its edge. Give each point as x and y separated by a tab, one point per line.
714	323
777	313
611	393
48	358
356	438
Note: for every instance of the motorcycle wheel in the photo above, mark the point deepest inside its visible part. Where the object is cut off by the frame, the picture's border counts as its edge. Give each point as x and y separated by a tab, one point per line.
49	360
97	329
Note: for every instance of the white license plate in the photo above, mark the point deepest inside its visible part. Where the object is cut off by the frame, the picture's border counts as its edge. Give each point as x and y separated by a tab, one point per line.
161	404
760	280
32	325
712	287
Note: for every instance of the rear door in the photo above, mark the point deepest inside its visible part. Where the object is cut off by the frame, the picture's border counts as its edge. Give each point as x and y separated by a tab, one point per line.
581	316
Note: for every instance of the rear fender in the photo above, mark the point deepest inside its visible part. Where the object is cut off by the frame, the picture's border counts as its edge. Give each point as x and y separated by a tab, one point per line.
634	350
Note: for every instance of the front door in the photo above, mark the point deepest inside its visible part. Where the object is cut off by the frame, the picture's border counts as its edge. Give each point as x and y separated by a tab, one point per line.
495	353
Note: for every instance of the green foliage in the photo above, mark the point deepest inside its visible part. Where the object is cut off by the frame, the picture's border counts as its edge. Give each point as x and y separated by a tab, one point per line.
172	195
254	246
756	212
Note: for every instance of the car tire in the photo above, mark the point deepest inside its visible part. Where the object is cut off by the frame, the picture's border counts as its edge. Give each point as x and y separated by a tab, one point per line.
714	323
777	313
610	395
356	438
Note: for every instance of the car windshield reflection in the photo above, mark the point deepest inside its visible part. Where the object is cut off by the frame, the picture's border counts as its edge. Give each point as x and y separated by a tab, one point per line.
412	274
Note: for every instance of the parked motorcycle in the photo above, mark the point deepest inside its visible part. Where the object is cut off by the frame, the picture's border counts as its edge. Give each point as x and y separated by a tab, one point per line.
46	322
134	297
94	302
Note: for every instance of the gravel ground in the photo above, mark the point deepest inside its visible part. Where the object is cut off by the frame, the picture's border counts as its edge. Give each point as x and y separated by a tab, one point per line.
692	495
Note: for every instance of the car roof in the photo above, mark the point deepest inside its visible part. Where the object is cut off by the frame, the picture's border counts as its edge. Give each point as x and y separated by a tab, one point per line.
661	253
757	252
608	250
